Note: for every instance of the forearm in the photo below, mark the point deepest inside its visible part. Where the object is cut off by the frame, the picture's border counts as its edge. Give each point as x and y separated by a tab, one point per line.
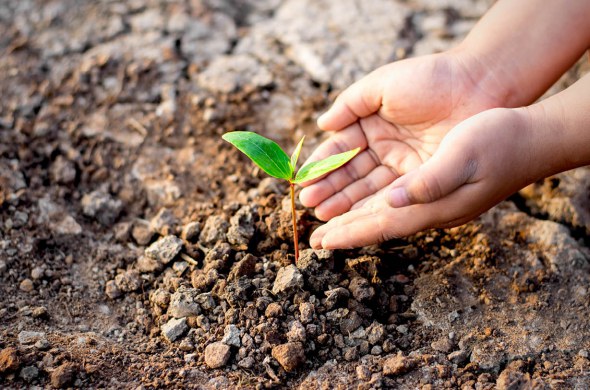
520	48
560	126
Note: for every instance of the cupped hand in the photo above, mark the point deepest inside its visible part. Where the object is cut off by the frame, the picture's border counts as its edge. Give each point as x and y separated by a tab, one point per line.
398	115
479	163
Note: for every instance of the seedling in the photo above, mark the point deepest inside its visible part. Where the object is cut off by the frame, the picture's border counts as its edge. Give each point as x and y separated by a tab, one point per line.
274	161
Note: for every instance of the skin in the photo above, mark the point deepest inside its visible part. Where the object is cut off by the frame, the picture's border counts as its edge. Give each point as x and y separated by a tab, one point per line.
440	142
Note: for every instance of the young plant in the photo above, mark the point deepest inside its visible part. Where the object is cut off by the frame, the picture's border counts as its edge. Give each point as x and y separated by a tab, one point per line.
274	161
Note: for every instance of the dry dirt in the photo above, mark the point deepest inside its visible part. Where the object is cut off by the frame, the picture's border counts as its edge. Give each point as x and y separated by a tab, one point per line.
137	250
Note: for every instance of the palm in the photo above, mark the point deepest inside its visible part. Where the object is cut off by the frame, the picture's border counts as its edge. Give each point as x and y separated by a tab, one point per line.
415	103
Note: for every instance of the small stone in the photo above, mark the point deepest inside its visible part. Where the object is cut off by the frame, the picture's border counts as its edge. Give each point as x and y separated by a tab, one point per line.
102	207
289	355
273	310
128	281
241	229
37	273
306	311
247	362
288	280
19	219
350	323
63	171
399	364
29	373
146	264
27	285
336	296
29	337
458	357
350	353
217	354
375	333
165	249
231	336
160	297
376	350
244	267
174	328
183	303
361	289
214	230
141	232
39	312
443	345
42	345
63	375
8	360
296	332
163	222
191	231
363	373
111	290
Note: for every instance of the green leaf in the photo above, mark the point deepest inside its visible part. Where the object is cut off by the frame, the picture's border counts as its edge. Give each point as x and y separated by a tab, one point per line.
316	169
295	155
265	153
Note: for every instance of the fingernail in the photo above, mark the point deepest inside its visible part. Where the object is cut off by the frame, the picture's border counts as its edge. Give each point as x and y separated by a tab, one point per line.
398	197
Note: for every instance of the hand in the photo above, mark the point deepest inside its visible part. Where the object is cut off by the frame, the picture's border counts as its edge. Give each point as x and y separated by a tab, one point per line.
479	163
398	114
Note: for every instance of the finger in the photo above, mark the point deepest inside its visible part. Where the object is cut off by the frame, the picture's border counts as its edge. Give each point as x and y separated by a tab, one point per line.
361	99
341	201
350	138
449	168
356	169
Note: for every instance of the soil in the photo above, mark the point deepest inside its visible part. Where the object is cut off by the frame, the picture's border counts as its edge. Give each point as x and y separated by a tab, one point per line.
138	250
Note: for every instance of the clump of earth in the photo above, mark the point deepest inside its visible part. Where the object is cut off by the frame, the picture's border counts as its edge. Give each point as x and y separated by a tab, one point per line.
137	250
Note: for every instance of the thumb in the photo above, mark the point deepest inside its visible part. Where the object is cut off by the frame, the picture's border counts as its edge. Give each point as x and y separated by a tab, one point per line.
442	174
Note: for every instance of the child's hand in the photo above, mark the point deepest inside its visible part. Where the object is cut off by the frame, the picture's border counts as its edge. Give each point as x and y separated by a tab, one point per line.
479	163
398	114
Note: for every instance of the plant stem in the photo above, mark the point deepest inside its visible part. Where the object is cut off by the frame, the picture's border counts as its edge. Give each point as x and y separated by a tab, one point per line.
295	232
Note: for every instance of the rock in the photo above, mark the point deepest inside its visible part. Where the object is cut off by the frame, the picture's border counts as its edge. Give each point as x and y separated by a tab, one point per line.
306	311
296	332
443	345
8	360
336	296
29	373
174	328
102	207
363	372
217	354
128	281
350	323
241	229
214	230
191	231
160	297
111	290
40	312
183	303
244	267
147	264
165	249
63	171
63	376
29	337
239	72
375	333
57	218
288	280
273	310
231	336
459	357
163	222
37	273
398	365
26	285
141	232
289	355
361	289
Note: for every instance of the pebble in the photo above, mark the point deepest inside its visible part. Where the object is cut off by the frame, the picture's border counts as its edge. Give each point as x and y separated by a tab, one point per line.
443	345
163	222
217	354
375	333
27	285
174	328
363	373
399	364
289	355
458	357
30	337
361	289
102	207
214	230
141	232
244	267
63	375
111	290
350	323
165	249
335	297
191	231
288	280
37	273
296	332
146	264
231	336
306	311
128	281
29	373
273	310
183	303
8	360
